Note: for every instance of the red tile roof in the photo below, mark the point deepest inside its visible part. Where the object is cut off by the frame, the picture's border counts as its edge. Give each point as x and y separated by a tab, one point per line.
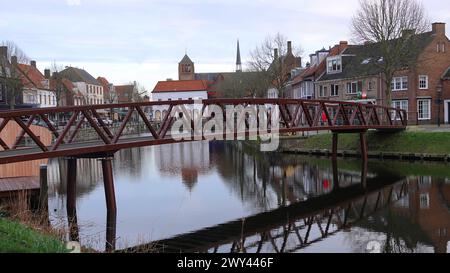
317	70
31	76
181	86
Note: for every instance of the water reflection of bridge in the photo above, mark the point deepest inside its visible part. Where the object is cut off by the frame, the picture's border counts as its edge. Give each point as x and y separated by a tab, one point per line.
264	182
289	228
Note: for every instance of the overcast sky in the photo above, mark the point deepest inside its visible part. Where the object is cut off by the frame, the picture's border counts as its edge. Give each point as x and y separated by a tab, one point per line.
143	40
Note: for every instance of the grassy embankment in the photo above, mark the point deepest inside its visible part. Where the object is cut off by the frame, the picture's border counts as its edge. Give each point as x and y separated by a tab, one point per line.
404	142
17	238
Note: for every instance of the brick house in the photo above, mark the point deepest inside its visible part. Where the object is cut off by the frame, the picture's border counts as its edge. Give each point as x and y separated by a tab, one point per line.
446	94
303	84
354	75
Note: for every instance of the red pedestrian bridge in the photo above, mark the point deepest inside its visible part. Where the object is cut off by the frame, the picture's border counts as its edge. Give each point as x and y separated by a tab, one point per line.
86	133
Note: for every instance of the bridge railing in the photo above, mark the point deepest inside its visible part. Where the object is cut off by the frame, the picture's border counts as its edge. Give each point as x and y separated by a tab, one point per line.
109	125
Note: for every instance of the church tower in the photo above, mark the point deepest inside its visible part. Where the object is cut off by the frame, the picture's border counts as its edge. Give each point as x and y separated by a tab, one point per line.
238	59
186	69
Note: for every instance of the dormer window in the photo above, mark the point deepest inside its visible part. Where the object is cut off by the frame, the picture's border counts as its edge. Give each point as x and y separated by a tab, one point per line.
334	65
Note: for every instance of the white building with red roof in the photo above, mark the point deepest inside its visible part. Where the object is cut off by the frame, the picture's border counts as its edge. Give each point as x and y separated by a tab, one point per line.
177	90
36	88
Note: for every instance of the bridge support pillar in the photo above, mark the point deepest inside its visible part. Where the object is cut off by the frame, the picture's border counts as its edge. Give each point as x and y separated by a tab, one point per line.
364	157
111	206
72	198
363	144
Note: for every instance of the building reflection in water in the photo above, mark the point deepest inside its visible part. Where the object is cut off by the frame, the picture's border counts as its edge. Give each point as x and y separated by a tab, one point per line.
186	160
418	215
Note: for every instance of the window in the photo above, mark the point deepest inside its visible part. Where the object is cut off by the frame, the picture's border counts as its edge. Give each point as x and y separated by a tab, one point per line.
424	109
443	47
399	83
354	87
423	82
334	65
322	91
424	201
438	48
370	85
402	104
334	90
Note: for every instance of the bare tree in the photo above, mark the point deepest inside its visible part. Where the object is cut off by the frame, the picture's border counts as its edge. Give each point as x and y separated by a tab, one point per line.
59	89
10	75
392	24
242	84
273	62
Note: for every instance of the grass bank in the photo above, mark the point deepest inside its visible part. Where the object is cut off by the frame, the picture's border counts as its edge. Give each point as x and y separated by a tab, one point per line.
17	238
404	142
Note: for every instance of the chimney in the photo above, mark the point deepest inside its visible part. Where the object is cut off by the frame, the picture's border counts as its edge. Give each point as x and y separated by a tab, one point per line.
289	47
14	60
342	46
4	51
406	33
275	54
439	28
47	73
33	64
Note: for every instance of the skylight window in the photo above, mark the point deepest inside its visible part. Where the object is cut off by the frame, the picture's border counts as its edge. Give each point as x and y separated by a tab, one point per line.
366	61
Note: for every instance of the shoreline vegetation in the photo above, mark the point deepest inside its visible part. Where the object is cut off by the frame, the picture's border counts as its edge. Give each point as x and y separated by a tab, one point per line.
16	237
423	146
23	230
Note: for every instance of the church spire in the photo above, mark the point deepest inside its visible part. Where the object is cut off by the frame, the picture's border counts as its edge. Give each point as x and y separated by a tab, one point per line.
238	59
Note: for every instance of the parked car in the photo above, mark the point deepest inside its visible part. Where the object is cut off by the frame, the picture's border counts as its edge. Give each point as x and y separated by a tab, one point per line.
107	121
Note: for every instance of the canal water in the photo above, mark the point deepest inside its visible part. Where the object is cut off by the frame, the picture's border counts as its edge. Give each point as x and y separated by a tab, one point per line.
222	197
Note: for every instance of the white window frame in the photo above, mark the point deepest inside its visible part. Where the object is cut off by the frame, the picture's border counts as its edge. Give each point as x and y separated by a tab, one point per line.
323	91
443	47
336	65
421	77
402	104
355	91
428	117
424	200
402	83
333	92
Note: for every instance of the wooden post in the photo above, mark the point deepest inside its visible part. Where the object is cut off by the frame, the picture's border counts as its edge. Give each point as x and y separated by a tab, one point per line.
43	189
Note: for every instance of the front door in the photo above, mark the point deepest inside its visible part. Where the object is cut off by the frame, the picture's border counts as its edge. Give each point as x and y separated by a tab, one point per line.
447	111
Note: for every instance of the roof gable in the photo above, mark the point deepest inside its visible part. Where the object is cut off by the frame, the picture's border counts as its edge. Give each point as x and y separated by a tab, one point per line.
181	86
364	60
31	76
78	75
